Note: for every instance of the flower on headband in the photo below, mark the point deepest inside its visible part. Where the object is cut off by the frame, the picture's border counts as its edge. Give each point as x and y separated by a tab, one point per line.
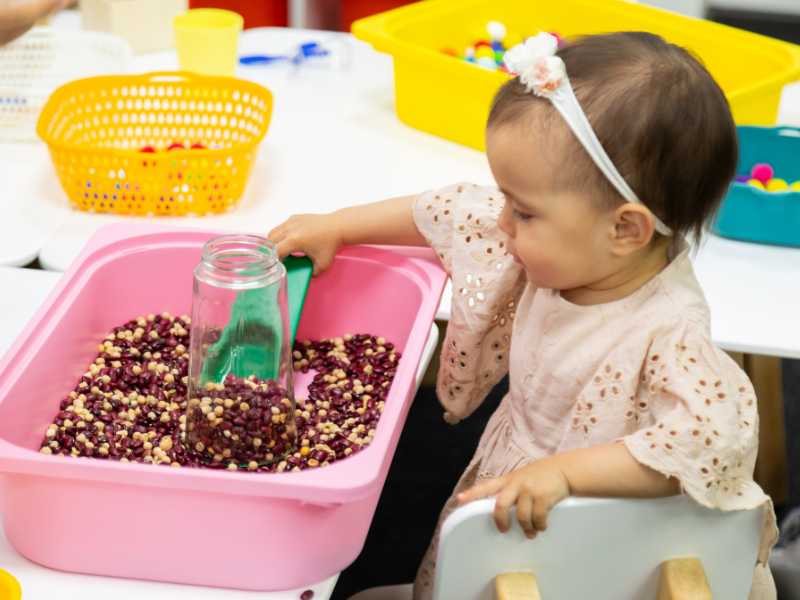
537	65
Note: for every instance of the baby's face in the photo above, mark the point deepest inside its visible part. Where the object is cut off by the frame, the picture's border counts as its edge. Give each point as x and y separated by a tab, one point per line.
561	238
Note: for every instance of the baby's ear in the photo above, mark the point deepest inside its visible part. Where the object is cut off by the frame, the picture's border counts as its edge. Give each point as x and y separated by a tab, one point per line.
634	227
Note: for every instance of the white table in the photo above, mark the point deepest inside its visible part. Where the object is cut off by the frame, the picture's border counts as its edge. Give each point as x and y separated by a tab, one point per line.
24	291
39	583
754	295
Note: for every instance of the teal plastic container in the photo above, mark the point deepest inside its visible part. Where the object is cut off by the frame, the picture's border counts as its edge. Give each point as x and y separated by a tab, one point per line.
752	215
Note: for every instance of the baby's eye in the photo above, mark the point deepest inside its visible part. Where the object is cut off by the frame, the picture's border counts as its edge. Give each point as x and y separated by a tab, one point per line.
521	216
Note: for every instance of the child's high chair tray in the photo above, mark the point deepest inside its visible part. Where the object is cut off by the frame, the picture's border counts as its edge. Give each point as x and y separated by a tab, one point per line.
753	215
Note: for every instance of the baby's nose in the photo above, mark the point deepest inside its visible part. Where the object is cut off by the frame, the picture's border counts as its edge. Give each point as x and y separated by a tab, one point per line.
505	222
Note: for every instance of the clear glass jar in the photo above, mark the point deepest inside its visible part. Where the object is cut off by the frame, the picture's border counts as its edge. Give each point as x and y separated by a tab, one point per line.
241	406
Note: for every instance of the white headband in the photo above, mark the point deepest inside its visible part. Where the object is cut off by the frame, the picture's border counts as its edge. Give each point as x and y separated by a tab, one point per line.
544	74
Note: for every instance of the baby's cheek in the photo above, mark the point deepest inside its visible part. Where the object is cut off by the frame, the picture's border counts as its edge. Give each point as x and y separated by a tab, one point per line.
556	270
541	266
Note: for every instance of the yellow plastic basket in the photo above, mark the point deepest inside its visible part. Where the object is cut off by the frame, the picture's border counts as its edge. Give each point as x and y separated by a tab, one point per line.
95	129
450	98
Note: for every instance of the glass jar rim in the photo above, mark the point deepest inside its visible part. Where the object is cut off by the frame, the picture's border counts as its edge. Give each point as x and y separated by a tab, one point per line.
235	259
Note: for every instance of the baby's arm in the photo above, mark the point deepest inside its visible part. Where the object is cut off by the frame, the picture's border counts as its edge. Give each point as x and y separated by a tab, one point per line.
320	236
606	470
611	470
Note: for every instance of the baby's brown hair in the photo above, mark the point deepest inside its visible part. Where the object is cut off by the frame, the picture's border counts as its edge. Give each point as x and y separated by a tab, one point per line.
660	116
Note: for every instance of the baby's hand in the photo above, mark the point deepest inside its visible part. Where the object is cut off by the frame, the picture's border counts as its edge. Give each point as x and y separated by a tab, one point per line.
534	489
316	236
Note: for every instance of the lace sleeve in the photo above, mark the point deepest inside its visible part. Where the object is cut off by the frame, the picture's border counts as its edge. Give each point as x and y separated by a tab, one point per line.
460	223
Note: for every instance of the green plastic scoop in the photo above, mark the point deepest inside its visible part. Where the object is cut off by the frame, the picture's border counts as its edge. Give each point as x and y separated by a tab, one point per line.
251	342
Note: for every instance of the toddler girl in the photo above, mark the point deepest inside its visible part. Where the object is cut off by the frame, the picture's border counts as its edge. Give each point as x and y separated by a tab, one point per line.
574	277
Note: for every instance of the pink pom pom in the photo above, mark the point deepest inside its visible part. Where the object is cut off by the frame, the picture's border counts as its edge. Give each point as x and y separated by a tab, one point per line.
763	172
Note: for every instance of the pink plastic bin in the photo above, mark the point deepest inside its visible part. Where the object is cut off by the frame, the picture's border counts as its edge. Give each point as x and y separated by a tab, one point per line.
238	530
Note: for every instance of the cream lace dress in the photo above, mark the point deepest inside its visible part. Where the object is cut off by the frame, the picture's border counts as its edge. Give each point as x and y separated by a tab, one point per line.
642	370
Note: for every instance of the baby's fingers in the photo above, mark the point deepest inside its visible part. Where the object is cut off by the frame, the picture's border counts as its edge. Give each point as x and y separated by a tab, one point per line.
540	511
277	234
287	246
502	508
525	515
484	489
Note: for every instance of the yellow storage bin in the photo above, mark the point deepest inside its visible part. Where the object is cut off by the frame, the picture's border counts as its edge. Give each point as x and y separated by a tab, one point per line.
96	128
450	98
